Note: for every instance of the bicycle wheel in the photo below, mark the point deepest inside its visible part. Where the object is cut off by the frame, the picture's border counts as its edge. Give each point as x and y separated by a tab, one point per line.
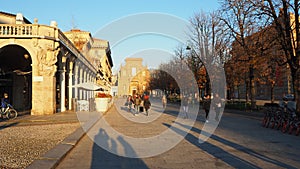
11	114
285	127
268	122
291	129
263	122
297	131
279	124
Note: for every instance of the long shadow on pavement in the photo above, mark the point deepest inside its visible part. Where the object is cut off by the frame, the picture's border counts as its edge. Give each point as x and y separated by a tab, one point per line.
102	158
8	125
219	153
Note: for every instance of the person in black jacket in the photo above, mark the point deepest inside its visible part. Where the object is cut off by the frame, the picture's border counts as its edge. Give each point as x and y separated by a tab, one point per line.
147	103
206	105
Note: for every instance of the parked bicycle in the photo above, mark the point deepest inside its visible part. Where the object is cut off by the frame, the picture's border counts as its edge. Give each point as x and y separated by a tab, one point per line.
9	112
281	117
271	110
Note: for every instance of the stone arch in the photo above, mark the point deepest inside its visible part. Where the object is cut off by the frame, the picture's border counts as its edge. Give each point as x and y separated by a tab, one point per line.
16	75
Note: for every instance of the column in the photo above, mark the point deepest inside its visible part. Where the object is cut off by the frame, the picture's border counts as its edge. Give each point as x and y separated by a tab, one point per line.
76	81
70	85
63	85
80	81
84	81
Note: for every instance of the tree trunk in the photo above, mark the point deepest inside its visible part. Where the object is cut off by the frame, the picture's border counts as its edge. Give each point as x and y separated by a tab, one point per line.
272	93
252	94
296	86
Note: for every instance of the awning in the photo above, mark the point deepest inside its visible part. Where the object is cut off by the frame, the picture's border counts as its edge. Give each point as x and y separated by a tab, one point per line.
88	86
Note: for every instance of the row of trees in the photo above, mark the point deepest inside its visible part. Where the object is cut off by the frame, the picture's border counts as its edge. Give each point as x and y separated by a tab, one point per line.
244	35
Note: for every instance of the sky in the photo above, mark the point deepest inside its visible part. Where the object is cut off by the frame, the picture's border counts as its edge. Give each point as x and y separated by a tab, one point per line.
156	31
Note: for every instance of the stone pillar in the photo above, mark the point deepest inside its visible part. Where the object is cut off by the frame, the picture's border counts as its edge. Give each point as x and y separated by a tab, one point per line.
70	85
44	81
43	95
84	90
80	81
76	81
63	85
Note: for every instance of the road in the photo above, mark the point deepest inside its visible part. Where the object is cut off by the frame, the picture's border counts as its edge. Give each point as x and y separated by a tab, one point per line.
238	142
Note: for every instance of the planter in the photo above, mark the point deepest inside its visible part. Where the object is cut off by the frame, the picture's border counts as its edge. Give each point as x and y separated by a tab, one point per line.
103	104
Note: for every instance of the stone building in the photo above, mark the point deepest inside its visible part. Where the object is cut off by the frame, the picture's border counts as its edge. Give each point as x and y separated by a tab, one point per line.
97	52
133	77
40	67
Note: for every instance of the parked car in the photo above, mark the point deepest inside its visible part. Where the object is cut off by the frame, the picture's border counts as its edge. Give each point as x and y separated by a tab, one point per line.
289	97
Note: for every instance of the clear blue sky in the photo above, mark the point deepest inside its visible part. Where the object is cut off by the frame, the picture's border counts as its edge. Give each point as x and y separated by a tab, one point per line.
92	16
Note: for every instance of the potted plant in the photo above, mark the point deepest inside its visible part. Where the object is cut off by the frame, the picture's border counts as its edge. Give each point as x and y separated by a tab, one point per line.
103	101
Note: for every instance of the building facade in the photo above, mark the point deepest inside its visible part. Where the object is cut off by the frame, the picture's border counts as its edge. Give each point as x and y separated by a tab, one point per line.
97	52
40	66
133	77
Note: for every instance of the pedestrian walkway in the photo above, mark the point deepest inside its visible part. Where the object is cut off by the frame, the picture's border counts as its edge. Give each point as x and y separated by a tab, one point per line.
118	139
122	140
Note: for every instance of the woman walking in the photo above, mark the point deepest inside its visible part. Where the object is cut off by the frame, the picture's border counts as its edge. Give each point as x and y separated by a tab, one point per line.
147	103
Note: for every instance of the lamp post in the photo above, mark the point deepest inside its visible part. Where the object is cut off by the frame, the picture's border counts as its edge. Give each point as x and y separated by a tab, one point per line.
206	84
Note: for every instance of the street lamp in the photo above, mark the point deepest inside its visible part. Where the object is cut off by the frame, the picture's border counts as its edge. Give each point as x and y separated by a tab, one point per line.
206	84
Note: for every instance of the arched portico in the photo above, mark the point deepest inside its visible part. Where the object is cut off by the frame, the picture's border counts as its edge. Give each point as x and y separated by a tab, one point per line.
15	75
42	61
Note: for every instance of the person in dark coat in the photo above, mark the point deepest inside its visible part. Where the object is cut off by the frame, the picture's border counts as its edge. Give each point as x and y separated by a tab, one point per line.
206	106
147	104
217	105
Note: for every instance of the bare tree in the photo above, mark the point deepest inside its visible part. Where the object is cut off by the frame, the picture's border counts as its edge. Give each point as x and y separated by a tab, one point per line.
240	16
285	20
209	46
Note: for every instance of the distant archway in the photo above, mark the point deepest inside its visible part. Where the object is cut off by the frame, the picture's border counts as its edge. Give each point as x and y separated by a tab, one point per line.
16	76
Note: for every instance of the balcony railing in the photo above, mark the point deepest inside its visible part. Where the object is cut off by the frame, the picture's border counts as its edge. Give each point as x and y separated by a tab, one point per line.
16	30
44	32
27	30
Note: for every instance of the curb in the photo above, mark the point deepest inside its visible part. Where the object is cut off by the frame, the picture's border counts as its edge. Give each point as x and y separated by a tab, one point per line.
54	156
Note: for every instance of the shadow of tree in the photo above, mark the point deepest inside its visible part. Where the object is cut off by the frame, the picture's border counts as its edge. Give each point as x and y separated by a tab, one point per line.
219	153
102	158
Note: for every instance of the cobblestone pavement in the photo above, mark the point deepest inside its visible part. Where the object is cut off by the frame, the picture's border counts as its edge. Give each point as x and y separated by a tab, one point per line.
26	138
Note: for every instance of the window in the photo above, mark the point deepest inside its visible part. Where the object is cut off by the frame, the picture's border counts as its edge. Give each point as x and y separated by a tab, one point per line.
133	71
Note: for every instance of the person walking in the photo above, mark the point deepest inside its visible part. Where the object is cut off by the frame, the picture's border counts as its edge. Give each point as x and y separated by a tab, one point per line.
217	106
185	104
137	102
147	103
164	101
206	106
129	102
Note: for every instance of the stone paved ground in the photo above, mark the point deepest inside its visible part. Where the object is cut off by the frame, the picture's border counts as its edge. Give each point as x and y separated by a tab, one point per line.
185	155
239	142
26	138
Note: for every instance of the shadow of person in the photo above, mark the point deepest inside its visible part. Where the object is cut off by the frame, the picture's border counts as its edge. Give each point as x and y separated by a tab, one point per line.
105	156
